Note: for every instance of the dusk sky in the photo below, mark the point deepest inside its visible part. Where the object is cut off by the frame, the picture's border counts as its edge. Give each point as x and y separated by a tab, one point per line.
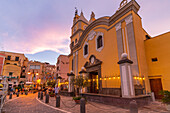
32	26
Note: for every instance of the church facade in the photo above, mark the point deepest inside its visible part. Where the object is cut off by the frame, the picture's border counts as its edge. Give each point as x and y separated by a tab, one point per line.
97	46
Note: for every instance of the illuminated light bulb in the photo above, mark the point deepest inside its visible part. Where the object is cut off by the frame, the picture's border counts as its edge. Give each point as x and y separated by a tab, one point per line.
89	80
135	78
140	78
104	78
143	78
93	79
37	74
114	77
100	78
118	77
29	73
109	78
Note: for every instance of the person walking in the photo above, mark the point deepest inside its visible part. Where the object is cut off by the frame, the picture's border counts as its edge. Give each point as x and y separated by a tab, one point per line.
57	89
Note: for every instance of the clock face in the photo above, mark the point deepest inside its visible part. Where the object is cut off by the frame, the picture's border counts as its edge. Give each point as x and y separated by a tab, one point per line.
92	60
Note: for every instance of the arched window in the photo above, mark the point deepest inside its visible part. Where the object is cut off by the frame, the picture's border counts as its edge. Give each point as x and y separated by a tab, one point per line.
99	42
72	44
76	40
72	64
85	49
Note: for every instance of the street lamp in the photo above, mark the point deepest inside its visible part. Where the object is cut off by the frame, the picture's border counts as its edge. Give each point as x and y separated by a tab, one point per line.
39	81
34	74
59	78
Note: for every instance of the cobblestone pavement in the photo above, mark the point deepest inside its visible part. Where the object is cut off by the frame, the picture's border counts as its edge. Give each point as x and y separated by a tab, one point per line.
30	104
154	107
27	104
69	105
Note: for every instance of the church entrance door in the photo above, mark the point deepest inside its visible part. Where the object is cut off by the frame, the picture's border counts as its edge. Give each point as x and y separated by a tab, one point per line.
94	87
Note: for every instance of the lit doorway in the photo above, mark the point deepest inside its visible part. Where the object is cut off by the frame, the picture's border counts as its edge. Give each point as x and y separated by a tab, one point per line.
94	84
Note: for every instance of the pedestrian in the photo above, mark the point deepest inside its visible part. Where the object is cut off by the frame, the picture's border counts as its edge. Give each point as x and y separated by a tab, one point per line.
57	89
12	89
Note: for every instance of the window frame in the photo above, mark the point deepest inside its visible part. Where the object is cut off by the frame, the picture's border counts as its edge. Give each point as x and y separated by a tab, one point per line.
99	34
99	42
10	74
154	59
76	41
16	58
15	64
85	55
8	57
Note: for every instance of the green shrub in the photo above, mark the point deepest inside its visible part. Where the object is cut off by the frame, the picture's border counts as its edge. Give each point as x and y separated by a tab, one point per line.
166	96
76	98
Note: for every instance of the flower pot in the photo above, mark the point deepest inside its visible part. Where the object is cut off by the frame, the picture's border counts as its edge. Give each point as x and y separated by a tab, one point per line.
52	95
168	107
77	101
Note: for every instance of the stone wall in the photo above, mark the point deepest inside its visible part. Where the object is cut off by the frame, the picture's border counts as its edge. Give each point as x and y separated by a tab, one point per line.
111	91
116	100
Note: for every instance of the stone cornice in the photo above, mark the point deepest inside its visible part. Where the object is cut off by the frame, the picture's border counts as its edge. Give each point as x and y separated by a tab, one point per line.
77	22
82	71
132	5
70	74
70	54
76	33
125	61
100	21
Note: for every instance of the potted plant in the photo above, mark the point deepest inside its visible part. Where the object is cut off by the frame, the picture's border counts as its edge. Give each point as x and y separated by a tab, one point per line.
77	99
166	98
51	94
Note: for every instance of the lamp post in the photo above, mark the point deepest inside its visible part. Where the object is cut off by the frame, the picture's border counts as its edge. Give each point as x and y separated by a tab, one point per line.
58	82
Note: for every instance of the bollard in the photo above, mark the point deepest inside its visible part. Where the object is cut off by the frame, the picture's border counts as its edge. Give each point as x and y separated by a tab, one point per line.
41	97
153	96
17	94
45	92
58	101
82	105
26	92
38	94
47	98
133	107
10	96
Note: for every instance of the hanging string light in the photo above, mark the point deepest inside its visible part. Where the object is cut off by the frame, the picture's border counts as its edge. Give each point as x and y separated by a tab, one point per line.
139	78
114	78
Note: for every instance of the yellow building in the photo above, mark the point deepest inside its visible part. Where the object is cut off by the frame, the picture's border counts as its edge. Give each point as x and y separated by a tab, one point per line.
13	67
98	44
35	71
157	56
